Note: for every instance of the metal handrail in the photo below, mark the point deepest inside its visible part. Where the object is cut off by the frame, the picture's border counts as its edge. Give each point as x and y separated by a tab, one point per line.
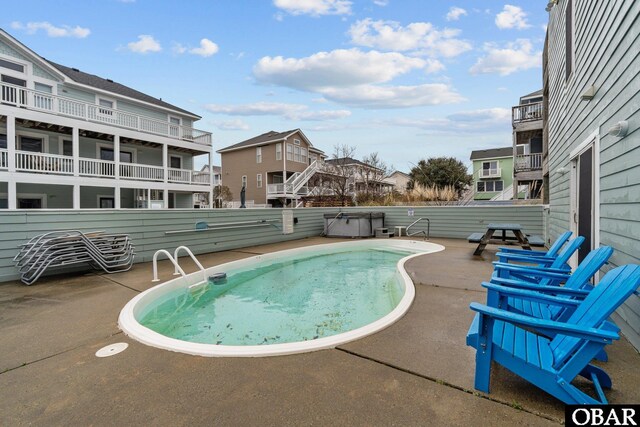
426	235
193	257
339	214
173	261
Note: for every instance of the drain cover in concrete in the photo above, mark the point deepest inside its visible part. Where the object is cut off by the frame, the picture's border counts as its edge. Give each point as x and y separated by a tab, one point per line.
112	349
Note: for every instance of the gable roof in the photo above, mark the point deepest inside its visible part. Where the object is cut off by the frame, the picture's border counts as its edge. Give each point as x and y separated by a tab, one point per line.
492	153
347	161
113	87
400	173
267	138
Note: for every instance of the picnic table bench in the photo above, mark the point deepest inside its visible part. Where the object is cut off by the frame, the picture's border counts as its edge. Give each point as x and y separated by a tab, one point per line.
516	236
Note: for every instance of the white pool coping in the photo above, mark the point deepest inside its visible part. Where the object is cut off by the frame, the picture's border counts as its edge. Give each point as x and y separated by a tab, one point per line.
132	328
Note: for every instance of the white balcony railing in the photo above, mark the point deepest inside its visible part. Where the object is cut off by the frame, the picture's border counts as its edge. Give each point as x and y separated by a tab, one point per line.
490	173
276	188
140	172
528	162
58	105
4	159
527	112
45	163
97	168
55	164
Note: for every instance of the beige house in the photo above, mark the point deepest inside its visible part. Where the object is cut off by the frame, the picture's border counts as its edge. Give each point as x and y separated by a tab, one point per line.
273	167
399	180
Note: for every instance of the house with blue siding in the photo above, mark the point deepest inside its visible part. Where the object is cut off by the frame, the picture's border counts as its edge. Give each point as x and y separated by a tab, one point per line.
592	89
73	140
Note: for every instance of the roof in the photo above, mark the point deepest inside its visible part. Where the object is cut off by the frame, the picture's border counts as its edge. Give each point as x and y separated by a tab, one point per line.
399	172
535	94
345	161
492	153
113	87
267	138
216	169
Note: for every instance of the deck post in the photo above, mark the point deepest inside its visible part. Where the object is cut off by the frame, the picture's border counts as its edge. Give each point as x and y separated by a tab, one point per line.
11	148
116	156
76	197
75	146
211	178
116	197
165	159
12	195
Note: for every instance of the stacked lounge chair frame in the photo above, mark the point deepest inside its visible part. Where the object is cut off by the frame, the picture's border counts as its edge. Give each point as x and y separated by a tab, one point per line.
111	253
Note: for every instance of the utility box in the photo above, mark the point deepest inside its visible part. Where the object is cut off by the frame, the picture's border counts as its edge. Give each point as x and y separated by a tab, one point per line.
287	222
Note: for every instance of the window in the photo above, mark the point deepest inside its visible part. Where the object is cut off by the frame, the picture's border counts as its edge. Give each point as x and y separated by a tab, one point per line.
106	202
244	181
34	145
489	168
489	186
569	54
11	65
312	158
106	107
259	155
175	162
3	141
278	151
43	101
259	180
107	154
303	155
289	152
296	142
174	120
296	154
11	94
67	148
40	87
29	203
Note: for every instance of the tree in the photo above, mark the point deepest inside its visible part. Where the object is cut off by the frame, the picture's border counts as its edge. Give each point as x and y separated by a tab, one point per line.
440	172
371	172
338	173
222	195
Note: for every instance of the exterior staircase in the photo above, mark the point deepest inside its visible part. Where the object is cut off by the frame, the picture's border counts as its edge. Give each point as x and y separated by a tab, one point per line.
295	186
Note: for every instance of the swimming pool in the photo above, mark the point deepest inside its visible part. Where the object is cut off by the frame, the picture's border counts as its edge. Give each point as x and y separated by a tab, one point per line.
280	303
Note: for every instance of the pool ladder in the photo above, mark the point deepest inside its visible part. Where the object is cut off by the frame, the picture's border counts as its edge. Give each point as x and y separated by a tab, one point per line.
426	235
174	261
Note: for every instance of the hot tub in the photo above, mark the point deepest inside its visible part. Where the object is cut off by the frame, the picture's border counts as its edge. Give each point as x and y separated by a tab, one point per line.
353	224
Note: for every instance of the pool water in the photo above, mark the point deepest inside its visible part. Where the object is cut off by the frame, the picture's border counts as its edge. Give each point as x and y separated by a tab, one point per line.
283	301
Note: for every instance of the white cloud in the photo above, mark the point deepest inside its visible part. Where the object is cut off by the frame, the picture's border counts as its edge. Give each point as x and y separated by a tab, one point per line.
207	48
455	13
338	68
512	17
52	30
433	66
314	7
234	124
487	120
381	3
288	111
145	44
376	97
179	48
515	56
417	36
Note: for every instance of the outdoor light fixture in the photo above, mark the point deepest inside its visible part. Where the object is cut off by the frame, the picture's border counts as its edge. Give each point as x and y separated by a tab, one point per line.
588	94
561	171
550	5
620	129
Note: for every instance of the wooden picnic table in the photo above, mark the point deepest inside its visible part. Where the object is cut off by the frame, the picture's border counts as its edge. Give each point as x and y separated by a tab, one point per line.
489	238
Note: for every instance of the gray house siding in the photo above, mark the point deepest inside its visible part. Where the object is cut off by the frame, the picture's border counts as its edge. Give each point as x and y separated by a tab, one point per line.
38	71
607	48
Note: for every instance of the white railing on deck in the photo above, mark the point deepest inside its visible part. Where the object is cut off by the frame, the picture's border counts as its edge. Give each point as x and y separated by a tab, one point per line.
526	112
179	175
4	159
46	163
40	101
198	177
98	168
141	172
490	173
528	162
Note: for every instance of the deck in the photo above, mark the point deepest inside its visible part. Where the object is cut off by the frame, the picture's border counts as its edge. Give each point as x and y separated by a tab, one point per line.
416	372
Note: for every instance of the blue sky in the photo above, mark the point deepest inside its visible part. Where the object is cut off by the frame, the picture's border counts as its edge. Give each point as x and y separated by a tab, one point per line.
407	79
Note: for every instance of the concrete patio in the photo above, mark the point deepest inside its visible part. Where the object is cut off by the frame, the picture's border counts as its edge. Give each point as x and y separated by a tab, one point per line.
416	372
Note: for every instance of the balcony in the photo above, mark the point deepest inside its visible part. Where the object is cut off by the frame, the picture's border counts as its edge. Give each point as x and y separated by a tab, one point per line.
490	173
60	106
56	164
528	162
526	113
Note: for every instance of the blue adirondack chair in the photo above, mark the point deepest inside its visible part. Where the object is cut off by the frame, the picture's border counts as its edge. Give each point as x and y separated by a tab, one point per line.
556	270
505	253
552	364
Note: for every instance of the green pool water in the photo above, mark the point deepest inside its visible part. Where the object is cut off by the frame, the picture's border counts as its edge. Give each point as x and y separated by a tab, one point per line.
283	301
